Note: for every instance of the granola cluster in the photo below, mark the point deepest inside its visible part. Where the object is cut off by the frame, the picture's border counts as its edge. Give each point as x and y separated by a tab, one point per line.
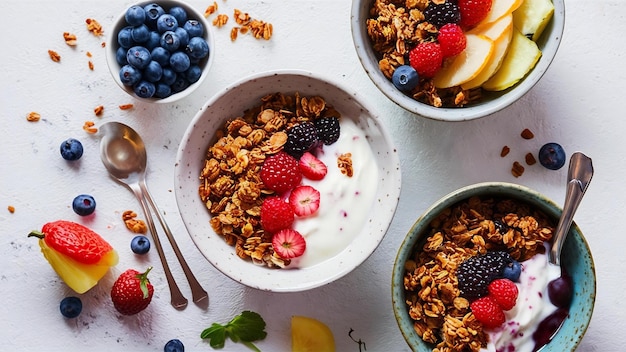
230	184
441	316
394	28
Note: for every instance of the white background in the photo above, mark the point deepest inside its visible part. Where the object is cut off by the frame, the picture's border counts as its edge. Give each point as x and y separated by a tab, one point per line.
579	104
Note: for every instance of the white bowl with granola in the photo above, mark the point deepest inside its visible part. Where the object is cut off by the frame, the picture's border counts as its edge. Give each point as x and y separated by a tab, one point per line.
452	61
472	275
287	181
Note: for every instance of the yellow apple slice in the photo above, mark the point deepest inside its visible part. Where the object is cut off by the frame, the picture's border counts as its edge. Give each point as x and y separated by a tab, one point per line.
520	58
310	335
501	8
466	65
501	33
532	17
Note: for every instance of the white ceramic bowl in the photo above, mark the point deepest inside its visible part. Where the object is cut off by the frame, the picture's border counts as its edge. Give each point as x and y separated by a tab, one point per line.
231	103
490	103
192	13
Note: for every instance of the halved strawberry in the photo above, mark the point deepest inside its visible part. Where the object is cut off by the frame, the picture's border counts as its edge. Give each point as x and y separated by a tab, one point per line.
304	200
288	243
312	167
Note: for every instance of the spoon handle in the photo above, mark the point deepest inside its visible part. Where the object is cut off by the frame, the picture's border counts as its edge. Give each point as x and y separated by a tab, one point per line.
198	293
177	299
578	178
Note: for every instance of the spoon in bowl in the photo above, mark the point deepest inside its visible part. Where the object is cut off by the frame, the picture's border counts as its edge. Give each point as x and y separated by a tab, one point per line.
123	154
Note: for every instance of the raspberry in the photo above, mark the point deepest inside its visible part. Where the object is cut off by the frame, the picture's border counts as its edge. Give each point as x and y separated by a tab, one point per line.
473	11
451	39
280	172
300	138
488	312
504	292
440	14
276	214
476	273
327	129
426	58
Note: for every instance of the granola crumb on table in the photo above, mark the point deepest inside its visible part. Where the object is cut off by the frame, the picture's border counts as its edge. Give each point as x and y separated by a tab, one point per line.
441	316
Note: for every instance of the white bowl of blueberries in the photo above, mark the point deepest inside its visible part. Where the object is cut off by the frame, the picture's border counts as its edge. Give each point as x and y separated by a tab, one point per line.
160	51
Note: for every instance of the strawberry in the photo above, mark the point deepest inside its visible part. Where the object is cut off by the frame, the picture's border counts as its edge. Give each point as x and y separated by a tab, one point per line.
426	58
132	292
473	11
312	167
280	172
488	312
451	39
305	200
288	243
504	292
276	214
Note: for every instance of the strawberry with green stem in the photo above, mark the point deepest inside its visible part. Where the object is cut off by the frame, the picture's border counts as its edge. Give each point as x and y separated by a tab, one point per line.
132	292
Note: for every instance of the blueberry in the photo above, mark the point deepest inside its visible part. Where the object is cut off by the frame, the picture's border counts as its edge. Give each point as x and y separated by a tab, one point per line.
138	57
153	41
125	37
512	271
140	34
71	307
166	22
153	12
179	61
197	48
179	84
405	78
84	204
163	90
140	244
153	72
71	149
560	290
179	13
183	36
120	56
144	89
170	41
193	74
160	55
552	156
135	15
129	75
174	345
194	28
168	77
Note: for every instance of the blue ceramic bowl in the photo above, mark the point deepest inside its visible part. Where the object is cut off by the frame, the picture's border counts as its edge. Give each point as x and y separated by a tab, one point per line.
575	257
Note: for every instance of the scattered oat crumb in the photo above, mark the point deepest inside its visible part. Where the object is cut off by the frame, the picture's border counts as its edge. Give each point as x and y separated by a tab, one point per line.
88	127
134	225
98	110
527	134
344	162
54	55
11	209
103	44
259	29
505	151
530	159
94	27
517	170
88	54
220	20
126	106
90	64
210	10
33	116
233	33
70	39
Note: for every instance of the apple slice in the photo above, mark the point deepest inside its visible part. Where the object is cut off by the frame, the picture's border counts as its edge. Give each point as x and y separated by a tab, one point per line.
520	58
532	17
466	65
501	33
501	8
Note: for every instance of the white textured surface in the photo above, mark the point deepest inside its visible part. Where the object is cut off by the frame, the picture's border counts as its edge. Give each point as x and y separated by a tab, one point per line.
578	104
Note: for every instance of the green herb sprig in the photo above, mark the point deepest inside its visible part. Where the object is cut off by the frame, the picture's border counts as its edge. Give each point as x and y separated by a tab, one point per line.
246	328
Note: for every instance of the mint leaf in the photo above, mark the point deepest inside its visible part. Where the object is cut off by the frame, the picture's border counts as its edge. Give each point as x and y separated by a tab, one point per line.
216	334
246	328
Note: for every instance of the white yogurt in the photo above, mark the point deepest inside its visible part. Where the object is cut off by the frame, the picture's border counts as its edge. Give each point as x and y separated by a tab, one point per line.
533	305
345	202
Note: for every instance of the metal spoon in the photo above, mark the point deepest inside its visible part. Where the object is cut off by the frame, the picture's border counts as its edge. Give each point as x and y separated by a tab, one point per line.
124	155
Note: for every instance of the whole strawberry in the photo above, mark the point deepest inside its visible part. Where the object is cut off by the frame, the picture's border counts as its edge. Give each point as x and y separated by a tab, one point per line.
488	312
132	292
473	11
451	39
504	292
280	172
426	58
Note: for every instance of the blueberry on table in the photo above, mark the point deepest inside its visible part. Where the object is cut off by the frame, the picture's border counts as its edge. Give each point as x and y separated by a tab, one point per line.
135	15
71	149
138	57
140	244
405	78
84	204
552	156
174	345
71	307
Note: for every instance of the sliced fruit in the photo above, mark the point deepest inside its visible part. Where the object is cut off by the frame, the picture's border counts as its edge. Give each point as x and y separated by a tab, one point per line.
310	335
288	243
500	8
466	65
304	200
312	167
520	58
532	17
501	33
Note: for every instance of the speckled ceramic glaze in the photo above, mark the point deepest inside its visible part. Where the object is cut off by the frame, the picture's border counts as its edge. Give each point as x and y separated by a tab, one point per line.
492	101
230	104
120	23
576	258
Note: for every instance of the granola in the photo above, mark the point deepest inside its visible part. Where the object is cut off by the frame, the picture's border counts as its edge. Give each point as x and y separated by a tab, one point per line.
441	316
133	224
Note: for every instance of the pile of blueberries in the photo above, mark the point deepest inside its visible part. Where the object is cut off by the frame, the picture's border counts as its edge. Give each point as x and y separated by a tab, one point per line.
160	52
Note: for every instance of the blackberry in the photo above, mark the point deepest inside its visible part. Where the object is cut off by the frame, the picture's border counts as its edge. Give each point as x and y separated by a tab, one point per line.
476	273
440	14
301	138
327	129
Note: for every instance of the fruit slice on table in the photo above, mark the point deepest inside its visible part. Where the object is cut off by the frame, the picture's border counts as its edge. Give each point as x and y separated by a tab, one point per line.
532	17
76	253
466	65
500	8
501	33
521	57
310	335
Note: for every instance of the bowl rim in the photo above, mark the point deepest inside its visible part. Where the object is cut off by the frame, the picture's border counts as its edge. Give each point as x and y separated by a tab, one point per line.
114	67
392	177
415	234
507	97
